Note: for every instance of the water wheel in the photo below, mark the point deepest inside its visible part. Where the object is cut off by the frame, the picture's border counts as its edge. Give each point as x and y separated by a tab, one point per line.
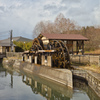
60	58
37	45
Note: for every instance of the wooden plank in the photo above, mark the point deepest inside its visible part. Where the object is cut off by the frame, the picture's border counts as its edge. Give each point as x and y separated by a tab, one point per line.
40	51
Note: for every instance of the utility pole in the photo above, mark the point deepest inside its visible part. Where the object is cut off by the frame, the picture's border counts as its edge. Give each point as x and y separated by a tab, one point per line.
11	42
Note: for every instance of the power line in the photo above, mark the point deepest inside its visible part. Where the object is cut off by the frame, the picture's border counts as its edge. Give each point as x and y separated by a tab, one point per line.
4	35
4	32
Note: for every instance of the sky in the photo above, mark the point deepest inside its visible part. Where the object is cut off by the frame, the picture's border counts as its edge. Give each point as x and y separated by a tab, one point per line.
21	16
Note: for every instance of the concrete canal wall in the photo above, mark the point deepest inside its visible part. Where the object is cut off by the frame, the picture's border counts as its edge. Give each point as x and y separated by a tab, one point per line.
93	79
14	54
85	59
62	76
81	85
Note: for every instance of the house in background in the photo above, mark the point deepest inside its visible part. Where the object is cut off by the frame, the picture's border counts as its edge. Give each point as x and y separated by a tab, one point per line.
5	44
5	47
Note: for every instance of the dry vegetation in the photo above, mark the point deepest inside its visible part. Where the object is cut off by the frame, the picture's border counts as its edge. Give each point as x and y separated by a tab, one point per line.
93	68
62	25
93	52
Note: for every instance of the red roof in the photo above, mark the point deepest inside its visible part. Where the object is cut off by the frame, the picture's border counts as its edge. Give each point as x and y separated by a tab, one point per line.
65	36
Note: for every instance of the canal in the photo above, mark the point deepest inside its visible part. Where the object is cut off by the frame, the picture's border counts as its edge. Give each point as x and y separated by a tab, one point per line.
18	85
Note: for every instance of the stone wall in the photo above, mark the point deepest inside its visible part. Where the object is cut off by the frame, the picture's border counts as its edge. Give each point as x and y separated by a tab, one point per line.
92	79
81	85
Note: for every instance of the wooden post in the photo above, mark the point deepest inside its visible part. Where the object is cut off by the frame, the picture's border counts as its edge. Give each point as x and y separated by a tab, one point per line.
99	61
30	58
72	47
77	47
35	84
43	60
82	47
25	57
35	59
49	61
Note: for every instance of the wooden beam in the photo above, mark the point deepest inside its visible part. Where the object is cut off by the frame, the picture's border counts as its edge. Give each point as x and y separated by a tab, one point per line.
72	47
82	47
41	51
77	47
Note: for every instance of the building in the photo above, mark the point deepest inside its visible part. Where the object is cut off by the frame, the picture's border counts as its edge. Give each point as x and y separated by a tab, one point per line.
5	44
74	42
53	49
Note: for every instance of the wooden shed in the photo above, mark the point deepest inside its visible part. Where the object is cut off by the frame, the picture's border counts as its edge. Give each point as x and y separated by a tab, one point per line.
74	42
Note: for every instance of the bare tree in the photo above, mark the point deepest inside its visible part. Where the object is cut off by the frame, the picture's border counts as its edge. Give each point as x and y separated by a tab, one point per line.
92	33
61	25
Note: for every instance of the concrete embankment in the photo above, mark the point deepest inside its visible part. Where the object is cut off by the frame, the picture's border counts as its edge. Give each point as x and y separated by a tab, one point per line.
62	76
92	78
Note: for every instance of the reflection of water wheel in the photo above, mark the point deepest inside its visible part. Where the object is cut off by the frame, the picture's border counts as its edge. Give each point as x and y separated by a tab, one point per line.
61	57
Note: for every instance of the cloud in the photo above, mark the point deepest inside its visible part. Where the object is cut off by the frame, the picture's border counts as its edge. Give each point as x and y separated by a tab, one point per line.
97	15
50	7
23	15
2	8
70	1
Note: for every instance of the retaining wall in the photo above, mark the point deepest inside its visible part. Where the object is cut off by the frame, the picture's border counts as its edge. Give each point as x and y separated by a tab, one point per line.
81	85
14	54
85	59
62	76
93	81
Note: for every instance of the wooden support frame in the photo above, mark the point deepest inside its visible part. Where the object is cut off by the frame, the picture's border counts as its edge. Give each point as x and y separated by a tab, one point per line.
82	47
77	47
72	47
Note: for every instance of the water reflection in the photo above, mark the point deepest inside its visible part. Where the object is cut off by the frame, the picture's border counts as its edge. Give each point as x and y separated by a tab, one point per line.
47	89
2	71
84	88
40	88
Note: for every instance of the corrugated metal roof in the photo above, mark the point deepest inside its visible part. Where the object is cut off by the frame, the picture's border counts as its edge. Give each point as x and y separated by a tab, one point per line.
6	42
65	36
22	39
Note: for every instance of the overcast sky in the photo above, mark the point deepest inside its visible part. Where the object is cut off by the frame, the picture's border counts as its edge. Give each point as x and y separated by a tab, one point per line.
22	15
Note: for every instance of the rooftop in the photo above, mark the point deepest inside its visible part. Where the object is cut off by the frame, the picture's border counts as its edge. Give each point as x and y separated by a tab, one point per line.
6	42
65	36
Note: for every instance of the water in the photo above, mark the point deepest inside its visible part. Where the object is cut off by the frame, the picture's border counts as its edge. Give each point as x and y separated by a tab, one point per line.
15	85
